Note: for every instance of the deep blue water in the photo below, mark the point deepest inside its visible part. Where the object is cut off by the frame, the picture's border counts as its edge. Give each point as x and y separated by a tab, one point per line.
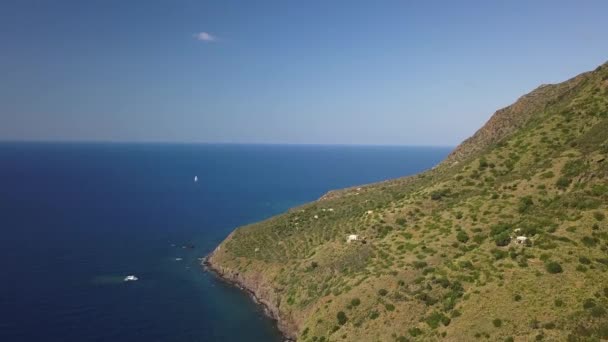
76	218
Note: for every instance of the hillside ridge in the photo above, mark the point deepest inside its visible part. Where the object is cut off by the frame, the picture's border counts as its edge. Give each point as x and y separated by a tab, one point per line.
506	239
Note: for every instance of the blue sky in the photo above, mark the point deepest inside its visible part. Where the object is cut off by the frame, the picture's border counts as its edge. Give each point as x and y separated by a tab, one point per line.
321	72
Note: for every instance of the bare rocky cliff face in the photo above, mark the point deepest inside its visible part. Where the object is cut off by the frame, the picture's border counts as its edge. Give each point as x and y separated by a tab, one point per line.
260	291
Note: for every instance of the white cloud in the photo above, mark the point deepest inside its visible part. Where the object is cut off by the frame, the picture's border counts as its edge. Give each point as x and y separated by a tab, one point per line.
205	37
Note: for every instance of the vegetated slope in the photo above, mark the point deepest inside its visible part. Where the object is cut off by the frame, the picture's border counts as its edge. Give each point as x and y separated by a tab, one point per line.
439	259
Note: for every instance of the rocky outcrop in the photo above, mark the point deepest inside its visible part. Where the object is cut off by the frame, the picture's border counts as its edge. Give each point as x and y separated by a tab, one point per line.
259	291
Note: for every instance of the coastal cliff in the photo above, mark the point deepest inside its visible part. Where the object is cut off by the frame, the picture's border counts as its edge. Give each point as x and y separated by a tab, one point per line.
507	239
258	288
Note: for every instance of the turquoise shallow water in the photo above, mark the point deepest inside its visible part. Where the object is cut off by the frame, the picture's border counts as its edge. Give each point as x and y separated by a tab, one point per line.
77	218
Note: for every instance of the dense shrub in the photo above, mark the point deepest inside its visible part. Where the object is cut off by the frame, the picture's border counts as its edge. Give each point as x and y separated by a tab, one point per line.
428	300
598	215
574	167
462	237
548	174
355	302
525	203
439	194
563	183
436	318
553	267
502	239
499	254
589	303
382	292
549	325
418	264
342	318
479	238
584	260
589	241
415	332
597	311
497	322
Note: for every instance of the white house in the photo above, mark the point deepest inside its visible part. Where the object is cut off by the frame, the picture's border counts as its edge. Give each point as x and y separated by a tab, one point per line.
352	237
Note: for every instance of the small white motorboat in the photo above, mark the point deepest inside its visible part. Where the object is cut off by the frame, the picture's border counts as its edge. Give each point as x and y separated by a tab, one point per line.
131	278
195	179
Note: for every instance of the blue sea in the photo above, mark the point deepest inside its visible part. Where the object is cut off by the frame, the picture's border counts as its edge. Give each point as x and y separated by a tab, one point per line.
75	219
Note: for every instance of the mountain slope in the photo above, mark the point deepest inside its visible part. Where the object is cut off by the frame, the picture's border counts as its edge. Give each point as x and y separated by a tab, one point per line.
439	257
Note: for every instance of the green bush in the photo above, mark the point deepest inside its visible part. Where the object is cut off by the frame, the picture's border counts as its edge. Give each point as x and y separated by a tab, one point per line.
563	183
439	194
525	203
502	239
389	307
342	319
553	267
589	241
462	237
574	167
355	302
598	215
499	254
483	163
382	292
597	311
428	300
589	303
414	332
435	319
420	264
549	325
548	174
497	322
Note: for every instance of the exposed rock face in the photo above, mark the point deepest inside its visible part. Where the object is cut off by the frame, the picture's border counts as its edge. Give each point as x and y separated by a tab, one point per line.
259	290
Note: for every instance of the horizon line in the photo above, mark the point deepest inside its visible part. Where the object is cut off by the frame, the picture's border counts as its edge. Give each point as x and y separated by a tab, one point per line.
160	142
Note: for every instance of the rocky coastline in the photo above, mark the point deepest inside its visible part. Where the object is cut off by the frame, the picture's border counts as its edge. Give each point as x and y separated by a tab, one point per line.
288	330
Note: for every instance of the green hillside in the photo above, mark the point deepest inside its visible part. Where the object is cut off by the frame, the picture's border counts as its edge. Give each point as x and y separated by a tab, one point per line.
437	256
